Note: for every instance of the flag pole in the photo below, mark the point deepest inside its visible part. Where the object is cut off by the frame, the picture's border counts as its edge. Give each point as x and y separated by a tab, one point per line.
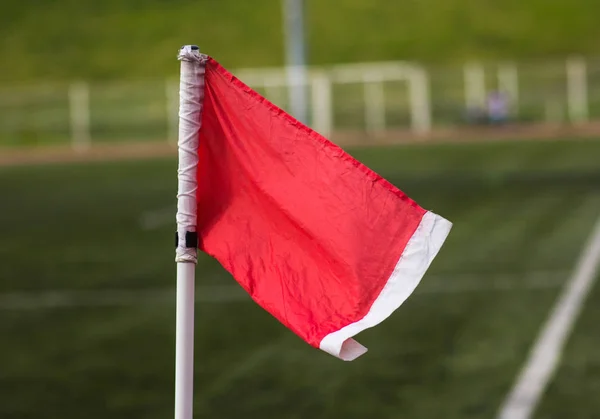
191	93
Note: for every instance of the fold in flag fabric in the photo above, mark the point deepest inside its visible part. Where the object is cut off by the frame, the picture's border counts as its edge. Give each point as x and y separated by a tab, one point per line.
320	241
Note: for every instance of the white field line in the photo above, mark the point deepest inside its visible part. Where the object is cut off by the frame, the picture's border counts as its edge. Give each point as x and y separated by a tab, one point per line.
545	354
452	284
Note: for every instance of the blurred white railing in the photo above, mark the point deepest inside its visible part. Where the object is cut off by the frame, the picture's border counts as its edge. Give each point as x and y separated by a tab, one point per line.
370	97
370	75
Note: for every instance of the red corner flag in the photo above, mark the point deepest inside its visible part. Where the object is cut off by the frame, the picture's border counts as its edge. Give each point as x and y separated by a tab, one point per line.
317	239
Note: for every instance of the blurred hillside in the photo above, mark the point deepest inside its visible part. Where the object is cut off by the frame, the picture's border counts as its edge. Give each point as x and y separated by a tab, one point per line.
65	39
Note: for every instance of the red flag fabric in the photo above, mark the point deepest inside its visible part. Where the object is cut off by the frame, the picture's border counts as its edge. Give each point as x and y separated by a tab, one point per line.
320	241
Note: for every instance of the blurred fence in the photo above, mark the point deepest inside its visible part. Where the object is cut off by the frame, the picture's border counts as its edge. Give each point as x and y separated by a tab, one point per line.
368	97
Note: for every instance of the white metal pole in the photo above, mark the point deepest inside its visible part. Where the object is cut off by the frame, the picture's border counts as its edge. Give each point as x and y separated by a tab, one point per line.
184	341
191	94
293	13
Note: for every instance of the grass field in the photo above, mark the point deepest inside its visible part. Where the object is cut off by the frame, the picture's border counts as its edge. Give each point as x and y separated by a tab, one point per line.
87	306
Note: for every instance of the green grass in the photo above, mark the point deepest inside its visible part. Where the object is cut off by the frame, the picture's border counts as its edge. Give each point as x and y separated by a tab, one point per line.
521	213
65	39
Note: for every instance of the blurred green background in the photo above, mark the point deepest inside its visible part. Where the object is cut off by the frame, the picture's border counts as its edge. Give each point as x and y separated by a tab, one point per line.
119	56
88	116
65	39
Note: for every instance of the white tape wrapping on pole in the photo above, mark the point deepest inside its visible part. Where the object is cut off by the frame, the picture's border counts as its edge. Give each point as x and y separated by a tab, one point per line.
191	95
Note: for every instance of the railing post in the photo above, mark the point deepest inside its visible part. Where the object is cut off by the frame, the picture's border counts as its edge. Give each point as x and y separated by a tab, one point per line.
79	111
474	86
508	82
419	97
374	103
577	94
322	113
